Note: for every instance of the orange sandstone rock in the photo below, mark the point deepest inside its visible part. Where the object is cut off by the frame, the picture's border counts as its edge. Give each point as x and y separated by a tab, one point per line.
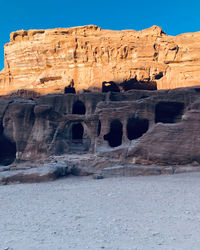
45	61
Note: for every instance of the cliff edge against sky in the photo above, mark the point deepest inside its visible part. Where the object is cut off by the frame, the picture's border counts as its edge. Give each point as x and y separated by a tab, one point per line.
45	61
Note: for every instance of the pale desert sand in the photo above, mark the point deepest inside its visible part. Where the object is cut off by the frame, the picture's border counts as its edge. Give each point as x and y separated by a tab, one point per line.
126	213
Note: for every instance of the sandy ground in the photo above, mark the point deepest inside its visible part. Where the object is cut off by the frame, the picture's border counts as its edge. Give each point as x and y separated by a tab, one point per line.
157	212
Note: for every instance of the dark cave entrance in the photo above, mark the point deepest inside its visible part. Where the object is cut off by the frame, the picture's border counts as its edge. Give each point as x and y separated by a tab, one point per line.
7	151
114	137
169	112
69	90
79	108
109	86
135	84
99	128
136	127
77	133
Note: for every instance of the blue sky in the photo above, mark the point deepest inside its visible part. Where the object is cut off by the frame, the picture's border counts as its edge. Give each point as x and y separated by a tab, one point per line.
174	17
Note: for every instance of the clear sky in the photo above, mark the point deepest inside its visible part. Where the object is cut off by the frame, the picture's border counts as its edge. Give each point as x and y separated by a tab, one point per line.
174	16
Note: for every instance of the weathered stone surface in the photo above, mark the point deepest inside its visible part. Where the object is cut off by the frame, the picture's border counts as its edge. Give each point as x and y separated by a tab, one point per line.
45	61
46	172
187	169
90	132
136	170
132	170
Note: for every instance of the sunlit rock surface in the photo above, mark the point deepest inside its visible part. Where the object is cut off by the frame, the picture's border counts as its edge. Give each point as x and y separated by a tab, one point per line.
45	61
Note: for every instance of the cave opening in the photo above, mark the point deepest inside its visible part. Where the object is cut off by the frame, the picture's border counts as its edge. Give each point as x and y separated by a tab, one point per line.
136	127
7	151
159	76
99	128
114	137
133	83
79	108
69	90
109	86
169	112
77	133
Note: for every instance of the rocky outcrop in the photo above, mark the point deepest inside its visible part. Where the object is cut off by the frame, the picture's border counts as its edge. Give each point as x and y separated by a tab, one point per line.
45	61
140	131
46	172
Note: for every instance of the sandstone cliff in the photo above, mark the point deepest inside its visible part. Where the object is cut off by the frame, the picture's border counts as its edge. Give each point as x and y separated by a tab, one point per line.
45	61
139	132
143	127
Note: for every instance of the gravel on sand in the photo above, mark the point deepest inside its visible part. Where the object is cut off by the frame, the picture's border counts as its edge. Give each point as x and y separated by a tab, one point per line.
126	213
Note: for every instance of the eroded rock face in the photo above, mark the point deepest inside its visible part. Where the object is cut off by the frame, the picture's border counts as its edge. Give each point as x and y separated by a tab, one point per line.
137	127
45	61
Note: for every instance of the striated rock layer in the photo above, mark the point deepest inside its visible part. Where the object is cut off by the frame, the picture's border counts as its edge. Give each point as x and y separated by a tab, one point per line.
137	127
45	61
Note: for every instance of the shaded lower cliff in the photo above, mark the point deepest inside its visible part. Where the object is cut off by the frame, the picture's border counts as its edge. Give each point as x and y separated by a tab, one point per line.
136	127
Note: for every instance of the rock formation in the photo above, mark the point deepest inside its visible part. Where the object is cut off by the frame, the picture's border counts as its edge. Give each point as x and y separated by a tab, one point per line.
80	101
92	131
45	61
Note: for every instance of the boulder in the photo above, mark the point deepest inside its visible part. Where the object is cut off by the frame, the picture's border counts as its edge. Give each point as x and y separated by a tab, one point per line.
46	172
